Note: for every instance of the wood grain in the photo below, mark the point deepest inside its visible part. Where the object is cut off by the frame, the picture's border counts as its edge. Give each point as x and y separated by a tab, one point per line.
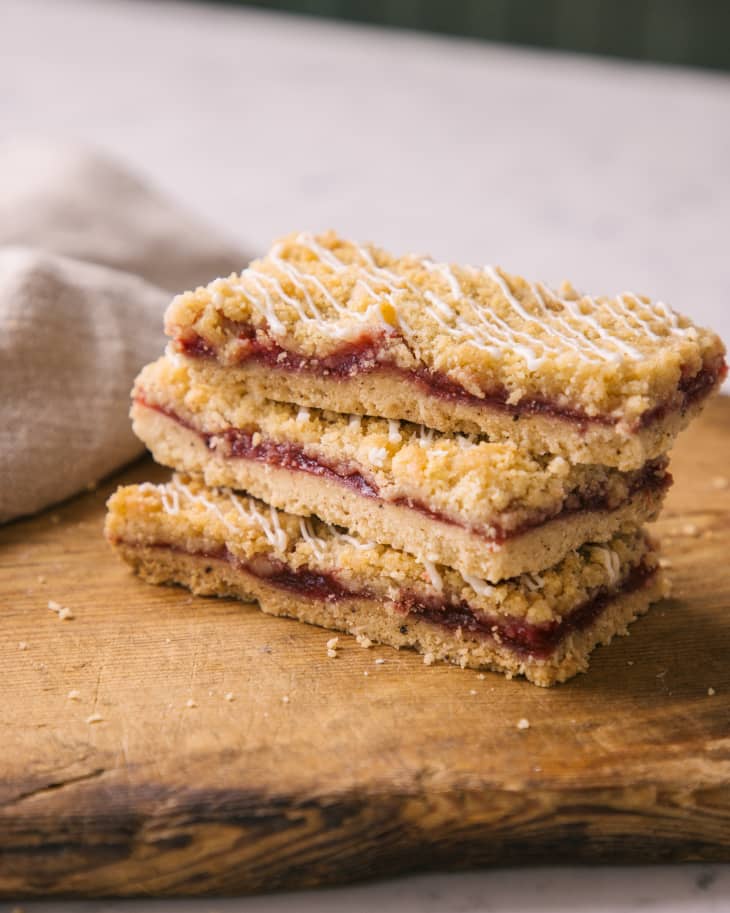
408	767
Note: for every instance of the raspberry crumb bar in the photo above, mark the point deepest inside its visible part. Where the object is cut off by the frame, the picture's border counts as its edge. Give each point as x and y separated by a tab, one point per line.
447	458
481	507
543	627
330	324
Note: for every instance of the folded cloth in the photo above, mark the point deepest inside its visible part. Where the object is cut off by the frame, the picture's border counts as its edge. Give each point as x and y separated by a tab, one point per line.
74	333
73	200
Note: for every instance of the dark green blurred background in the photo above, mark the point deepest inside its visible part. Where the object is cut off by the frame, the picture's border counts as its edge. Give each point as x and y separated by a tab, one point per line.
694	32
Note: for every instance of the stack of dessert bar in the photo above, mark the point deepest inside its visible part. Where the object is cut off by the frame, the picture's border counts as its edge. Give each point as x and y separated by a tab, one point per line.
441	457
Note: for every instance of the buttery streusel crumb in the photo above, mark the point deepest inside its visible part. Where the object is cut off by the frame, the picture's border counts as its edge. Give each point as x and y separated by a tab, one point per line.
523	724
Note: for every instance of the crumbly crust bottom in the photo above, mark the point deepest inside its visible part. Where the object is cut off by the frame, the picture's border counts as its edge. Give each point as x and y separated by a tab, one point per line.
380	393
382	623
376	520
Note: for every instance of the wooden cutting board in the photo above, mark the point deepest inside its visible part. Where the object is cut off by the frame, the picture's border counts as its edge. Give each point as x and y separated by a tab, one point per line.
199	776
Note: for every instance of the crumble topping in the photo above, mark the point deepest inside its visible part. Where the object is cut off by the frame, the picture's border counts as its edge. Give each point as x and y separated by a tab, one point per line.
482	328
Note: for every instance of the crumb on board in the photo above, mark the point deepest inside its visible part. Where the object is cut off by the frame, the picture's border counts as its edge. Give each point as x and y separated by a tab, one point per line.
720	483
379	661
228	696
711	692
523	724
22	645
472	691
665	562
190	703
690	529
285	699
73	695
364	641
481	676
366	672
40	578
331	647
630	662
63	612
428	659
94	718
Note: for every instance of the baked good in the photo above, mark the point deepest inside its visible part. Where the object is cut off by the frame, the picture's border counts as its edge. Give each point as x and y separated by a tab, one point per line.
331	324
483	508
543	627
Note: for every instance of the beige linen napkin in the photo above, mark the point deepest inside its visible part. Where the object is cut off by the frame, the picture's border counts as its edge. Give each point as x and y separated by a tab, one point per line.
74	333
75	201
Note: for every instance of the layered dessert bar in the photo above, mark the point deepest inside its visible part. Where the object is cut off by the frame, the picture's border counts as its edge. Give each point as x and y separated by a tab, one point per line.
484	508
330	324
541	626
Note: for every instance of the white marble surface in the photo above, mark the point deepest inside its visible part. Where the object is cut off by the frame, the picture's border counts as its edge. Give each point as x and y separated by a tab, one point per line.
614	174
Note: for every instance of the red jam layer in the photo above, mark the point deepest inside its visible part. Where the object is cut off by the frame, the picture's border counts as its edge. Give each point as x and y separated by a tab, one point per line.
538	641
239	444
366	354
292	456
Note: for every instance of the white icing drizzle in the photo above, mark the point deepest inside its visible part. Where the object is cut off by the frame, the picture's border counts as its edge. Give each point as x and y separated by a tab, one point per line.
433	575
358	544
573	324
480	587
315	543
610	560
425	436
533	582
394	435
